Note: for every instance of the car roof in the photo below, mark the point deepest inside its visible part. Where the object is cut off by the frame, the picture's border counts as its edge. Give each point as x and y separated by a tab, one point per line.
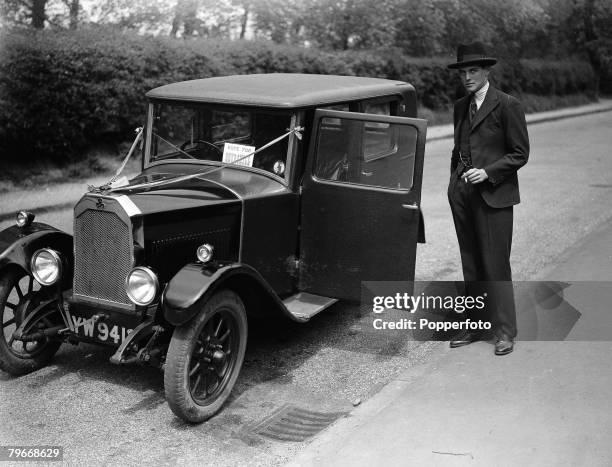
279	90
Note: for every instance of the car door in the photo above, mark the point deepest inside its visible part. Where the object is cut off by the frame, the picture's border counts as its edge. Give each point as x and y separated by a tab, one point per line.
360	202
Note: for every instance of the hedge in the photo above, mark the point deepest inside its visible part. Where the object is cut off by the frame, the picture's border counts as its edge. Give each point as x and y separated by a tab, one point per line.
62	91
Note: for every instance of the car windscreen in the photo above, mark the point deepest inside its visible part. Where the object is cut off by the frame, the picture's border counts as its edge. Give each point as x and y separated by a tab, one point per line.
237	136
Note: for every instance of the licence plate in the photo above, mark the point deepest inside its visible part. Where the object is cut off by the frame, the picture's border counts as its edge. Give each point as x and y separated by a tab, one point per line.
107	333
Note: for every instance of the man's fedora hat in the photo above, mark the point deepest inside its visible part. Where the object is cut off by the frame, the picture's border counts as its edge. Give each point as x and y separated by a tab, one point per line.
472	54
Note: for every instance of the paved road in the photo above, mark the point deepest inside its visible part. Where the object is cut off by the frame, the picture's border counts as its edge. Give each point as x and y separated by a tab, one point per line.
105	414
541	405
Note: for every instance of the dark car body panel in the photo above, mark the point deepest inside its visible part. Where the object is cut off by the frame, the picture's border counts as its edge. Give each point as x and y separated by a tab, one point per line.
270	239
181	232
352	232
247	217
189	289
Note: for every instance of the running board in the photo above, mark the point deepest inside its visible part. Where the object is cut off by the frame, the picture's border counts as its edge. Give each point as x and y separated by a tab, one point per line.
304	306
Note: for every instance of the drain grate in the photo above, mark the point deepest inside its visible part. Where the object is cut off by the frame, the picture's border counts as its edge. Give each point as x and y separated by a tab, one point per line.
292	423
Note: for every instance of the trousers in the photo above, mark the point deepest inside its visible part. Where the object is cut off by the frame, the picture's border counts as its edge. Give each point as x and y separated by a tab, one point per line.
485	242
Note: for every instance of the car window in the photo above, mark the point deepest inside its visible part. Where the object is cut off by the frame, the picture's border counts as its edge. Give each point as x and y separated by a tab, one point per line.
229	126
377	108
233	136
345	148
379	140
331	161
339	107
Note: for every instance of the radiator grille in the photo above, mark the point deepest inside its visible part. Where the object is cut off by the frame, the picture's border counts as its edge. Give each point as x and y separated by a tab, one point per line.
103	256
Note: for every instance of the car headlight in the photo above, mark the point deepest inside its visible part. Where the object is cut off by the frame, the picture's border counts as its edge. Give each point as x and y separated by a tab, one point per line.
24	219
46	266
205	252
141	285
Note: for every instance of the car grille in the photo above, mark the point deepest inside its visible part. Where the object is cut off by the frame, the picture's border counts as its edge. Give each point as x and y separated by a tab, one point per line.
103	256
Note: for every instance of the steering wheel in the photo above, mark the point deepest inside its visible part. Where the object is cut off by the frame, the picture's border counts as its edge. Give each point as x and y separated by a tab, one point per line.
197	142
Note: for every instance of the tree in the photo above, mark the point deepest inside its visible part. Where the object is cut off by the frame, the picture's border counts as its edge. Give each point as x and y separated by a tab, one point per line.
185	14
25	12
209	18
38	14
349	24
279	20
582	28
73	12
511	27
245	7
596	18
64	14
419	27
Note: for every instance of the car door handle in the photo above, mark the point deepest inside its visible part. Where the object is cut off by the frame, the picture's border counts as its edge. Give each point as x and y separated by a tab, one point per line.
411	206
367	174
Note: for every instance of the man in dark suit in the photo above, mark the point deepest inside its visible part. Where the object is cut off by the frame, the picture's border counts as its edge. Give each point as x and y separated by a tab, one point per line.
491	144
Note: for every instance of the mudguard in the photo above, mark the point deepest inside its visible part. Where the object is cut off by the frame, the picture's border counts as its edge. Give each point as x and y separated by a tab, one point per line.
17	245
195	283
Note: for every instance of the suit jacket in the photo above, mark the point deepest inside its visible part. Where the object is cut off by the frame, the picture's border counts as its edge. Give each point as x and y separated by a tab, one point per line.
499	144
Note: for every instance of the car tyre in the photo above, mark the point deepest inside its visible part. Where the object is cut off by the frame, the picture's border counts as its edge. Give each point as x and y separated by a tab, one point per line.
17	290
204	358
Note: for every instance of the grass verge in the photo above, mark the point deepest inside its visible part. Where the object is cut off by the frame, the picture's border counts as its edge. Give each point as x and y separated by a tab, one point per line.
100	161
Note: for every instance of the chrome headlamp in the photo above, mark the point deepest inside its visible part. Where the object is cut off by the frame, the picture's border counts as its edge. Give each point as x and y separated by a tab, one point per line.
24	218
46	266
141	286
205	252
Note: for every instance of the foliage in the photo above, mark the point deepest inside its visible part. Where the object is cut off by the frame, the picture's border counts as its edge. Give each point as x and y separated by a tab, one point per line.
514	28
344	24
420	27
510	27
61	91
139	15
278	20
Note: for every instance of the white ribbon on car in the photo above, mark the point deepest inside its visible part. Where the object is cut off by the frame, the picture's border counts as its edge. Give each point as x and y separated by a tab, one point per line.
108	185
297	131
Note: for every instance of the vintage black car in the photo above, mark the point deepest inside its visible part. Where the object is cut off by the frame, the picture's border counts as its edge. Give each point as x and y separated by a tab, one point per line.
259	195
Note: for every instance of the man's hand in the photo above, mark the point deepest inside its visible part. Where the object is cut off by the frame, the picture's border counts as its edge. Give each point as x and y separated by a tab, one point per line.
474	176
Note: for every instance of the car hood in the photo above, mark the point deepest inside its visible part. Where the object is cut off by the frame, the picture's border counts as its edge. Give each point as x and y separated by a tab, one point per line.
218	186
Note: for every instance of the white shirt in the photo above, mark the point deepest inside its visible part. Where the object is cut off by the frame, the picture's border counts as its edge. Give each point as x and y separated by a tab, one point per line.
480	95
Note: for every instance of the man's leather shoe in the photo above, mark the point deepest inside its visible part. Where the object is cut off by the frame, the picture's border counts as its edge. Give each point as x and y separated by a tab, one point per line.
465	339
503	346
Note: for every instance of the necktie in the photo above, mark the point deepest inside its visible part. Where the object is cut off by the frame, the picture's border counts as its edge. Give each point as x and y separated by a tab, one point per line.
473	107
466	159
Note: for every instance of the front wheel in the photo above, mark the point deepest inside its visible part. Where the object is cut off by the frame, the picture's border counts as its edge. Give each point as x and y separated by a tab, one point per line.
19	294
204	358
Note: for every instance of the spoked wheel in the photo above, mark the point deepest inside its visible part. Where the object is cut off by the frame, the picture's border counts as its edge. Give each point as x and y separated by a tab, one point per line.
19	295
204	358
